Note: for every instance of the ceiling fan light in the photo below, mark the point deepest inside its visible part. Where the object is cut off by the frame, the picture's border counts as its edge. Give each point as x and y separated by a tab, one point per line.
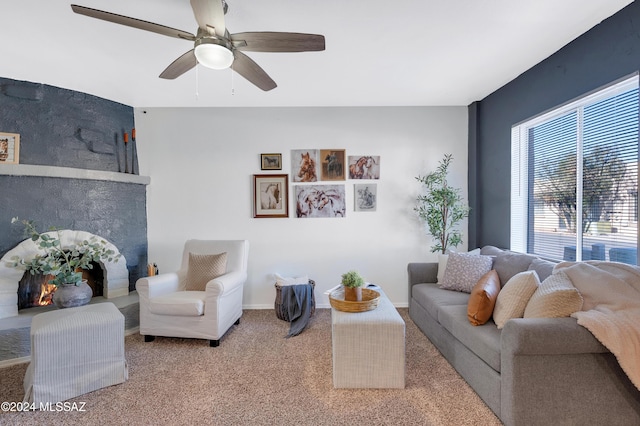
213	55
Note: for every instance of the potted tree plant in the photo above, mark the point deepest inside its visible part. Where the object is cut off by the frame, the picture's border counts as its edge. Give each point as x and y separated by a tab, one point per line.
352	283
441	207
65	264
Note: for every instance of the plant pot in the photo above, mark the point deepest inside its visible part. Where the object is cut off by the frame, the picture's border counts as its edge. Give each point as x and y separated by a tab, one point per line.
70	295
353	294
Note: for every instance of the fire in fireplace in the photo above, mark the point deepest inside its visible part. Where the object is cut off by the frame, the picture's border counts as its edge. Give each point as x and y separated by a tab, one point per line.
35	290
114	281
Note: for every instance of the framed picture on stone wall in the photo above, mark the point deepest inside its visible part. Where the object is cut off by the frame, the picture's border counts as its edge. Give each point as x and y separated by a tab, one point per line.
9	148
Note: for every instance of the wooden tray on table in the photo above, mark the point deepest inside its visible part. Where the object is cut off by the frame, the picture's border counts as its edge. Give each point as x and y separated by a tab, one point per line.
370	299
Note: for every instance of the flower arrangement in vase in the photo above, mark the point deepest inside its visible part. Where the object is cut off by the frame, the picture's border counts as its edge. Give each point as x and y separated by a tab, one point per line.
65	264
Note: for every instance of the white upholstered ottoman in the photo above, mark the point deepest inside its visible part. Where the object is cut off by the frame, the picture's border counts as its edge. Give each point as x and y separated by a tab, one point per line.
75	351
368	347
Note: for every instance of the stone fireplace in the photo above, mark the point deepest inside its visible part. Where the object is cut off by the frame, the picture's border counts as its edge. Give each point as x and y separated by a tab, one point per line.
116	274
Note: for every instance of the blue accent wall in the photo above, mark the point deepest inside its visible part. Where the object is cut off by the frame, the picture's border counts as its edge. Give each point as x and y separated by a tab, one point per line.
63	128
608	52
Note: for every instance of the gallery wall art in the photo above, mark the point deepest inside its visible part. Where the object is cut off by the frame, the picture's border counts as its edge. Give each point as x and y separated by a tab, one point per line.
270	196
320	201
364	167
332	164
271	161
304	165
312	197
366	197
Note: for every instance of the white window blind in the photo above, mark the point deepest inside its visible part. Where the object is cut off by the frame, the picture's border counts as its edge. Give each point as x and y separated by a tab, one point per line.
575	179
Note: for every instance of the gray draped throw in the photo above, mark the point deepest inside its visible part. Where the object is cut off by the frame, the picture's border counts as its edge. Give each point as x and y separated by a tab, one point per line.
296	300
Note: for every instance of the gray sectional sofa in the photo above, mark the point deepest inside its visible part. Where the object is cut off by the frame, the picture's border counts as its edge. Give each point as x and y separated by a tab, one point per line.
535	371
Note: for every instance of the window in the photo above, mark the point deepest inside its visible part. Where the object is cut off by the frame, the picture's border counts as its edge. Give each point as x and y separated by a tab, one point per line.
574	179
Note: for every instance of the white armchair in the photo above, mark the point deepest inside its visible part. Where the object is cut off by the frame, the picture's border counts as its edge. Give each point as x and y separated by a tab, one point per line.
168	309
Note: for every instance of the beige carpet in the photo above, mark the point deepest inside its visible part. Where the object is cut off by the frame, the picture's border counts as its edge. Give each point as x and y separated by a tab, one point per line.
257	377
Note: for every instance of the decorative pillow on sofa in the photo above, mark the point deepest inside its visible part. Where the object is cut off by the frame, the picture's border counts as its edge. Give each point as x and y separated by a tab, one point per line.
464	270
514	296
556	297
509	263
203	268
442	262
483	298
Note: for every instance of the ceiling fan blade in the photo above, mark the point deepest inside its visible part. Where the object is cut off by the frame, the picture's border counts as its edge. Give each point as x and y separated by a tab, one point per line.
181	65
246	67
278	42
209	14
132	22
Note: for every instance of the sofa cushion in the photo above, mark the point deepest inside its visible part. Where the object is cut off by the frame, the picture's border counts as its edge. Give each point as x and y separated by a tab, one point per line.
483	298
431	297
543	268
464	270
182	303
556	297
509	263
482	340
490	251
514	296
203	268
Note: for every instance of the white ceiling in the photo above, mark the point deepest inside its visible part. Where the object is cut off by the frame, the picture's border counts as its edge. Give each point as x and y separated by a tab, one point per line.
378	52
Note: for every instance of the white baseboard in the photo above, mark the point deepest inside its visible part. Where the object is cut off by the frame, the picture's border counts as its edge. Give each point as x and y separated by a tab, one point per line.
318	306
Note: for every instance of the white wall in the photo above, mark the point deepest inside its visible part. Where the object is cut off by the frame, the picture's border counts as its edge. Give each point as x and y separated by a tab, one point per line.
201	162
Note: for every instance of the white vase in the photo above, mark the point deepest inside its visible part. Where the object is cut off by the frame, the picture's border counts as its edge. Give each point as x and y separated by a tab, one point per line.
71	295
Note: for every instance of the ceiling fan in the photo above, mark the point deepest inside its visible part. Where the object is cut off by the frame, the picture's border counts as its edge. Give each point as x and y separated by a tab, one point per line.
213	46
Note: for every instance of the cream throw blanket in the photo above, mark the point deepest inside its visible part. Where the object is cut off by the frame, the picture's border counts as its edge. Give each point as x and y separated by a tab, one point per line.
611	309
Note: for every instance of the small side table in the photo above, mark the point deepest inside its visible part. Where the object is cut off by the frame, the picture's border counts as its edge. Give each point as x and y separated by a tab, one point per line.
368	347
75	351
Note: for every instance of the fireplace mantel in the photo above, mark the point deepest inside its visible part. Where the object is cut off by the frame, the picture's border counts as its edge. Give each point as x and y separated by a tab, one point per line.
70	173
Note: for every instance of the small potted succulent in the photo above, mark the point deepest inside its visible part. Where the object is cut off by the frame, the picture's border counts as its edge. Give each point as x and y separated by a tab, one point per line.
352	283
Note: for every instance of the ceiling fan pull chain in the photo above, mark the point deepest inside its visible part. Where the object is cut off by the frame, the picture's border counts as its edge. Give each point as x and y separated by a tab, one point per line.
197	83
233	89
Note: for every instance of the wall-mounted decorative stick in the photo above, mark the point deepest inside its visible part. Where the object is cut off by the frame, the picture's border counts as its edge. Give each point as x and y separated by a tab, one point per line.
126	160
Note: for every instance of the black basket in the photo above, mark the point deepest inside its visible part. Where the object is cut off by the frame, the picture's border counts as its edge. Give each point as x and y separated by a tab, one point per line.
281	313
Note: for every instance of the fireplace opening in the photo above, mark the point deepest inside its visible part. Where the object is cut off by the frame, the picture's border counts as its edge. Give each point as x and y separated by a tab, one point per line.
35	290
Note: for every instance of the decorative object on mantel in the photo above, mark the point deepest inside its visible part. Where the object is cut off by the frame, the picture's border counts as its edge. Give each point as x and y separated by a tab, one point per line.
133	151
352	283
441	207
9	148
64	264
126	159
152	269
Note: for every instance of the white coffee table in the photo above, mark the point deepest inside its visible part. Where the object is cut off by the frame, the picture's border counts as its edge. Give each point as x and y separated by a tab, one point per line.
368	347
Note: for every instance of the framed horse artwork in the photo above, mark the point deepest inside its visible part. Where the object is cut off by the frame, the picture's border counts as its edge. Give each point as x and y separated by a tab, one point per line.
271	161
270	196
364	167
333	164
305	165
